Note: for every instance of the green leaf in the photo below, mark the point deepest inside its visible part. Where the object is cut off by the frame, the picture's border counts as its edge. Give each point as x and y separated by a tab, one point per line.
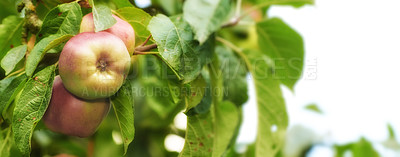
6	11
5	82
139	20
362	148
160	91
216	80
123	107
40	50
226	122
104	144
197	89
285	47
10	34
210	134
205	16
172	7
122	3
12	58
204	105
199	136
295	3
177	47
102	17
392	134
272	116
13	86
63	19
5	142
225	112
314	107
234	73
30	107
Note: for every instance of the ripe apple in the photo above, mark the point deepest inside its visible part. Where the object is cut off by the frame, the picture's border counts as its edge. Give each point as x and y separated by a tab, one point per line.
70	115
121	29
94	65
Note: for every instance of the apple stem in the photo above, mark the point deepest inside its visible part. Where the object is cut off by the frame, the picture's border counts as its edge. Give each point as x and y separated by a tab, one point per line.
145	48
90	147
147	40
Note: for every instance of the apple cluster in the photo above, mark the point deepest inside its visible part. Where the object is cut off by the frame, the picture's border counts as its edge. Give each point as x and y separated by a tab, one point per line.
92	67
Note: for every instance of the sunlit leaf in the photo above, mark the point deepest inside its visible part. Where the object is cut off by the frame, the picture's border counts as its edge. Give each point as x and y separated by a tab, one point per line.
210	133
285	47
177	47
31	106
5	142
314	107
102	17
139	20
295	3
362	148
272	115
122	3
63	19
172	7
10	34
40	50
205	16
12	86
197	89
12	58
234	73
123	107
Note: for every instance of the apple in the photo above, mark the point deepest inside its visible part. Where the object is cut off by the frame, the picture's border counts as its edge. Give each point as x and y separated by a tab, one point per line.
94	65
121	29
70	115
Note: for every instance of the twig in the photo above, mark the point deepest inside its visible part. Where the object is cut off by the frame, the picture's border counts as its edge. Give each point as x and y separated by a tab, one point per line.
234	21
145	48
229	44
147	40
84	3
238	7
33	23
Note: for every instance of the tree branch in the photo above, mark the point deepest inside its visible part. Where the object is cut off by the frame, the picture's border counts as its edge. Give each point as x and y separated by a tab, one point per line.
147	40
232	22
32	23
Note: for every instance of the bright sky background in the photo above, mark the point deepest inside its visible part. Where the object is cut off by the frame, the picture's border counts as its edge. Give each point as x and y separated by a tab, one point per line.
354	46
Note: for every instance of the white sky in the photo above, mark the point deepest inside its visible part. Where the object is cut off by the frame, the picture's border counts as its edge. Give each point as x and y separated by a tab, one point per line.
356	46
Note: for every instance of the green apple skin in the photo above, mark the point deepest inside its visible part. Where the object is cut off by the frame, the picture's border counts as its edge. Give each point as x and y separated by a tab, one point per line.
70	115
121	29
94	65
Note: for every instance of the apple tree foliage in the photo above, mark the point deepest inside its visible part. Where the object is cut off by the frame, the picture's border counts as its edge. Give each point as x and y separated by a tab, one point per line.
191	56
